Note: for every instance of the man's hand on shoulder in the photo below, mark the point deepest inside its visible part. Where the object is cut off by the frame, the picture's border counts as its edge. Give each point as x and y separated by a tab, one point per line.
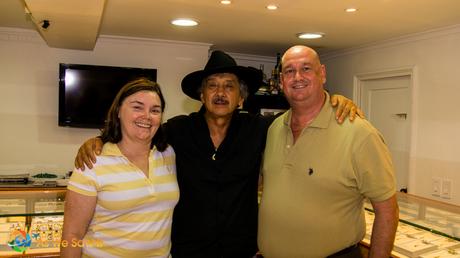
345	107
87	153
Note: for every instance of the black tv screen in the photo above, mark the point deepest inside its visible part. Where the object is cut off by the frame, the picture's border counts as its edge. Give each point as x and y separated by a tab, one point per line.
87	91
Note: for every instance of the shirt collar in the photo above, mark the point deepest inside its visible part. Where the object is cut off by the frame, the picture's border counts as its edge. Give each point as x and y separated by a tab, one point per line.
323	118
111	149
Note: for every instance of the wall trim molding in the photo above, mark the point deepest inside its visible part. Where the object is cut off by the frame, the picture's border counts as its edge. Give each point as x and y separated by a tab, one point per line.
148	41
380	74
256	58
409	38
23	35
32	36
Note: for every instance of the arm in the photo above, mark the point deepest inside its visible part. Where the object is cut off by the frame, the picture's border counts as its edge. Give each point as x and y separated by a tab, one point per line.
78	212
87	153
384	229
345	107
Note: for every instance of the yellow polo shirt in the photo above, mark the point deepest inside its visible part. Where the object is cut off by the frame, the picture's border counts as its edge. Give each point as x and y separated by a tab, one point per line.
312	202
133	214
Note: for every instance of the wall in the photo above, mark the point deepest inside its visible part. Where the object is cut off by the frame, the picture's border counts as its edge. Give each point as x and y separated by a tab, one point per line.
435	56
30	138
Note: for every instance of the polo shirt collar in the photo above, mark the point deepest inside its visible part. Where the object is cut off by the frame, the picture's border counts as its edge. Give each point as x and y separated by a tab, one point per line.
111	149
323	118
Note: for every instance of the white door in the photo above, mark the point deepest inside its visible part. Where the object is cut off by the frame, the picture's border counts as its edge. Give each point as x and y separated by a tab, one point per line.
386	103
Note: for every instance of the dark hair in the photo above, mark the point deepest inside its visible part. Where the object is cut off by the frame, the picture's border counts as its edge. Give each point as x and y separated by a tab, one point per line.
112	129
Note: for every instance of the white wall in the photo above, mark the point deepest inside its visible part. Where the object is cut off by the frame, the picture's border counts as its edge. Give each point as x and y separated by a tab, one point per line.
435	56
30	139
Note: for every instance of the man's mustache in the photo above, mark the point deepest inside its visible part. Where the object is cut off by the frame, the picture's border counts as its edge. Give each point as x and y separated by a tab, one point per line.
220	100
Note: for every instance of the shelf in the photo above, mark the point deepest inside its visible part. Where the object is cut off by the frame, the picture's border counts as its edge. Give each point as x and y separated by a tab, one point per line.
256	102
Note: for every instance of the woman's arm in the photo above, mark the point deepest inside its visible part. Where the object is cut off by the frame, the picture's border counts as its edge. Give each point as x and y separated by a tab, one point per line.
78	212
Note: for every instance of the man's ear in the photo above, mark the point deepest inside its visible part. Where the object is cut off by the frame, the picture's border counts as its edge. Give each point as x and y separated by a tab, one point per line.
281	82
240	102
323	73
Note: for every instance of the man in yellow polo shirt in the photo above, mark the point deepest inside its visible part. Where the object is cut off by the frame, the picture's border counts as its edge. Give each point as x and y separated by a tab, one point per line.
317	173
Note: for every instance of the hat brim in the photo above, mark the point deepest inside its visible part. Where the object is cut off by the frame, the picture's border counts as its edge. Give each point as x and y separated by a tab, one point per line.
251	76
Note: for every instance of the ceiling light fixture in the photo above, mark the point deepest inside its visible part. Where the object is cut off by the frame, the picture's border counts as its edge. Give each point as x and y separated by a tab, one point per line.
225	2
351	10
310	35
272	7
184	22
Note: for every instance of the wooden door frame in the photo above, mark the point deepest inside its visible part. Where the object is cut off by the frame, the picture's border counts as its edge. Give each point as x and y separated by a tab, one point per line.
388	73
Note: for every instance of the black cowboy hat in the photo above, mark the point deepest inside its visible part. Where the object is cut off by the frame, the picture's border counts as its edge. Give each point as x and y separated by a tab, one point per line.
220	62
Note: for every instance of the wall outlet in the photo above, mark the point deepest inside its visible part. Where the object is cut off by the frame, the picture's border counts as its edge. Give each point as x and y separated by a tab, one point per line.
446	188
436	186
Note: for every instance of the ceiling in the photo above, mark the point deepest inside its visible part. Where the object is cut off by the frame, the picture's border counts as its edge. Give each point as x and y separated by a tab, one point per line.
245	26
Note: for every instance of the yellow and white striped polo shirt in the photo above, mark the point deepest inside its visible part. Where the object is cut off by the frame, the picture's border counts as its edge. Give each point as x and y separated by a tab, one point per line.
133	213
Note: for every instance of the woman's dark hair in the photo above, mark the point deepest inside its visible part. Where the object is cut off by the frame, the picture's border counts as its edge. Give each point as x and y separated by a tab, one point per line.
112	129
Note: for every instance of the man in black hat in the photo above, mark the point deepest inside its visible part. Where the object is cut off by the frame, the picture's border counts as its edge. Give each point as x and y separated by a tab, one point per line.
218	157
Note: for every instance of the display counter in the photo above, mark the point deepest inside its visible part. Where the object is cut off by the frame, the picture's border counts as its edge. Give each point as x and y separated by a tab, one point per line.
31	220
427	228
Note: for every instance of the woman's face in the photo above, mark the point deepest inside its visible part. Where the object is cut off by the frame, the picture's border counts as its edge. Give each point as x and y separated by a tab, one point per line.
140	116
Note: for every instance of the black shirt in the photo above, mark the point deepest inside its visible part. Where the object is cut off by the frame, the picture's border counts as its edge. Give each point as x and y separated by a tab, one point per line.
217	211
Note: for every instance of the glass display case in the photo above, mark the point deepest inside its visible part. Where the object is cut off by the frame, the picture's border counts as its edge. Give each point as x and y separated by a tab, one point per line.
31	221
427	228
31	224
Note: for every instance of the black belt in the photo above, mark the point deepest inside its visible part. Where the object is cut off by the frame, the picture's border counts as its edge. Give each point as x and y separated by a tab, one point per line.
344	251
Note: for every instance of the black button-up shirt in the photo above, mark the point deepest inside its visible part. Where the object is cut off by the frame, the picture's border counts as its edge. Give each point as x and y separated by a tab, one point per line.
217	212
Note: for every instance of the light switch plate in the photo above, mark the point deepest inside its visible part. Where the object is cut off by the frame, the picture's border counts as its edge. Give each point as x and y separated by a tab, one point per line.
436	186
446	188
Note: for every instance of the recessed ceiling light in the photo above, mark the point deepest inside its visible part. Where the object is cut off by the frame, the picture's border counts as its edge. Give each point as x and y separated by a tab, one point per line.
351	10
310	35
272	7
184	22
225	2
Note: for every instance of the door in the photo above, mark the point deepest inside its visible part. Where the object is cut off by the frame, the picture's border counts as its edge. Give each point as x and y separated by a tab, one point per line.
386	101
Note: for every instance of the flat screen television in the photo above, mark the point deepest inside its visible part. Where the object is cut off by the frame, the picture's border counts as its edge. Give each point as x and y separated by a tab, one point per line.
87	91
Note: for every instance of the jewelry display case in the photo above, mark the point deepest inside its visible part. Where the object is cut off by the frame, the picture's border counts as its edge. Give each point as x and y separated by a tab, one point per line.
31	220
31	224
427	228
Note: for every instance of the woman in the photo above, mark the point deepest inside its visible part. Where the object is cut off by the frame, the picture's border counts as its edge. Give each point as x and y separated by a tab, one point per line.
123	206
